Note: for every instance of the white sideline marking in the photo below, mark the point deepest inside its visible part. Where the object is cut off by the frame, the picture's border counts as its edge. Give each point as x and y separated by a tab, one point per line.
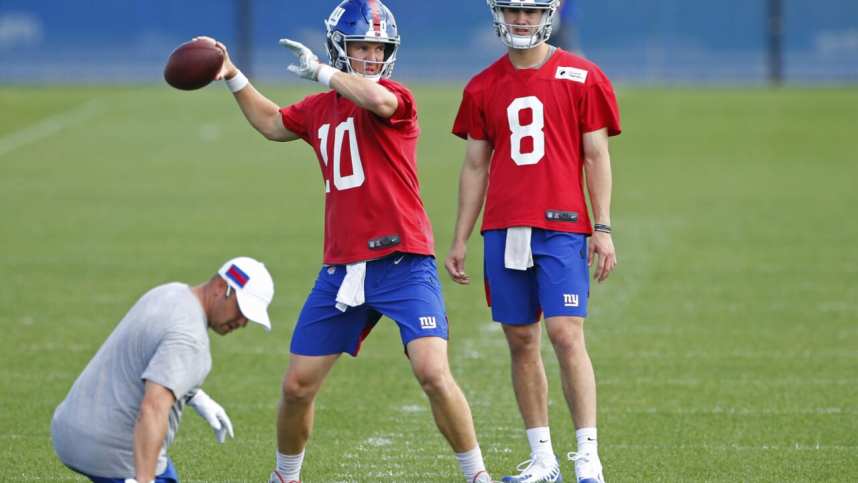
412	408
48	127
379	441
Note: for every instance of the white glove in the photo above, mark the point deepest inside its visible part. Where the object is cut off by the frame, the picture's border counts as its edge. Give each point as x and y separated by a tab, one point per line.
213	413
308	64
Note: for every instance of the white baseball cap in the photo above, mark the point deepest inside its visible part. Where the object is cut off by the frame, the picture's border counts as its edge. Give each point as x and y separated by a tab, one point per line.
253	286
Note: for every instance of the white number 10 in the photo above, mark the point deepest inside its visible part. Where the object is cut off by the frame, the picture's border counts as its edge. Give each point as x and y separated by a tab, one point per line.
532	130
357	177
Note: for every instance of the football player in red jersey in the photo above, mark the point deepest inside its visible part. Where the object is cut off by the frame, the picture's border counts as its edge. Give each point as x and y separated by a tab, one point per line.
379	249
536	121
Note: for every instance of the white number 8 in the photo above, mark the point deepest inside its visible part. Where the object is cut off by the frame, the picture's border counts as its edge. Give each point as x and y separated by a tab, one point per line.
532	130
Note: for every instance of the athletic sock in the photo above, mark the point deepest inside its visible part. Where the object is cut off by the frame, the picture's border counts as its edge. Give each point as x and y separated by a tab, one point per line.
540	442
587	442
289	465
471	463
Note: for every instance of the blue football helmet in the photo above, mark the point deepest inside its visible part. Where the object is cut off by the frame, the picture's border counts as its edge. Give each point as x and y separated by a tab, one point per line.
362	20
539	33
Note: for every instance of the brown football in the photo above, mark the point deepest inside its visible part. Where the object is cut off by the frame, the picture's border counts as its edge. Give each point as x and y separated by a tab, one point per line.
193	65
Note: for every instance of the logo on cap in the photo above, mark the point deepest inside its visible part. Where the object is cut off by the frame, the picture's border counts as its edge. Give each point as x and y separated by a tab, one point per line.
236	275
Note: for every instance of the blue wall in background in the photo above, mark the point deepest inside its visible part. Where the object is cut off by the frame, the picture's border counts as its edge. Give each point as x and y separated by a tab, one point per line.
652	41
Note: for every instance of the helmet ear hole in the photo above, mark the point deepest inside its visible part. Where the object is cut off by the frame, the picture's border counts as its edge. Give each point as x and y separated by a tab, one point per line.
389	49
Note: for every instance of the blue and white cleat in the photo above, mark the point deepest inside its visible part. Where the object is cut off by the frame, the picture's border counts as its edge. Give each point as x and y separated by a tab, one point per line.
538	469
588	468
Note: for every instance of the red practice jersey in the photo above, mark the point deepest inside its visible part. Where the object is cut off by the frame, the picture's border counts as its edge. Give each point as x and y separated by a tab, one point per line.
369	166
534	120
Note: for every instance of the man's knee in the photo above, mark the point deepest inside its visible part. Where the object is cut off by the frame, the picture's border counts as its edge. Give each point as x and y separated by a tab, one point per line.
523	339
435	379
567	334
298	388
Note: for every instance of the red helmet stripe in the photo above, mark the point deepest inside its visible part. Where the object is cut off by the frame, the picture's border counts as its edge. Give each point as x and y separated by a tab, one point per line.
376	16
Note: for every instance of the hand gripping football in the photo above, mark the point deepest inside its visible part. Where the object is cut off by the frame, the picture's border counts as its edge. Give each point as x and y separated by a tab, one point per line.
193	65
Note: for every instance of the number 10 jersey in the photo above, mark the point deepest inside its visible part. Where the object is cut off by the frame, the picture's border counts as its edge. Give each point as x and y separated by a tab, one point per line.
369	165
534	120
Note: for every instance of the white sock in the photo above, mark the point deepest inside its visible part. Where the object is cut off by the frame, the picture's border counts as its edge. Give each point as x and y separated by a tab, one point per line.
471	463
587	442
540	442
289	465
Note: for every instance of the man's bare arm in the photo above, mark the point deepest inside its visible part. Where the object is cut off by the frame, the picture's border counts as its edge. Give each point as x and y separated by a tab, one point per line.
473	181
151	429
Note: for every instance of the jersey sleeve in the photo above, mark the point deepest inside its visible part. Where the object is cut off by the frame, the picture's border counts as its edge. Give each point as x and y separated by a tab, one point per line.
180	364
295	118
599	106
405	115
470	121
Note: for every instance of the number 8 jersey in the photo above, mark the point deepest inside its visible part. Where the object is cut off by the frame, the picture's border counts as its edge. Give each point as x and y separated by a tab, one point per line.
372	195
535	119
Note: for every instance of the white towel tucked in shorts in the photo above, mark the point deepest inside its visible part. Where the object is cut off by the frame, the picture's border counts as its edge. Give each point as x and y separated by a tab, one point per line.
517	254
351	290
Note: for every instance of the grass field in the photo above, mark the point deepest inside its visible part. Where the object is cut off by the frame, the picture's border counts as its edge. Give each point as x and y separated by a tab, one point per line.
725	345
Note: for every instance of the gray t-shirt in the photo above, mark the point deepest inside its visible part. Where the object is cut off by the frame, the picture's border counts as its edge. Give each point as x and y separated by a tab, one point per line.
163	339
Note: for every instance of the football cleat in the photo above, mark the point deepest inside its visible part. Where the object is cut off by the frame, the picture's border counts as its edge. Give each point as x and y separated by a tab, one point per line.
536	470
588	468
276	477
483	477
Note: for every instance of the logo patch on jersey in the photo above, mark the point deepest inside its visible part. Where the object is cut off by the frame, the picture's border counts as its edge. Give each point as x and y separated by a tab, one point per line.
236	275
427	323
571	73
383	242
570	300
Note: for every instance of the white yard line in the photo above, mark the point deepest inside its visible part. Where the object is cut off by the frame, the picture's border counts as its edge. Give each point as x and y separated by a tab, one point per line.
49	126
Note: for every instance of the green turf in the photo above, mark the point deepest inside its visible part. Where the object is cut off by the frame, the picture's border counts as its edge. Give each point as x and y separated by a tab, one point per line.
725	345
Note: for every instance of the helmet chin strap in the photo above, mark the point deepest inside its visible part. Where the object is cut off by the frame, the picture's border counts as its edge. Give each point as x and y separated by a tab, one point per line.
373	77
523	43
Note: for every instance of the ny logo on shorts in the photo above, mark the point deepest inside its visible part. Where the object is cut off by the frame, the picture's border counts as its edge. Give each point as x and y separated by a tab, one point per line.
428	323
570	300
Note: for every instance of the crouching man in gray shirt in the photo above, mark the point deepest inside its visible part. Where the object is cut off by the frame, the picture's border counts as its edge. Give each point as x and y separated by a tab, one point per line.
123	411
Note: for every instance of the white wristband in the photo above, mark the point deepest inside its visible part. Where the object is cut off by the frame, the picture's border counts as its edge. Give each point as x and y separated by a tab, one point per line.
325	74
237	83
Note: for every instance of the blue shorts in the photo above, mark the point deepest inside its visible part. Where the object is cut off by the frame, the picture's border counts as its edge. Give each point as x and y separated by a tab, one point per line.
402	286
558	284
168	476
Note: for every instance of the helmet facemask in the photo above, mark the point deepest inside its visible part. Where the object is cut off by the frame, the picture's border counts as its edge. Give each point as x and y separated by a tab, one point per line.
338	52
538	33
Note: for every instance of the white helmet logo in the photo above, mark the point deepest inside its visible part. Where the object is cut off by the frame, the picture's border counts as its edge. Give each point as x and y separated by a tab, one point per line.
335	16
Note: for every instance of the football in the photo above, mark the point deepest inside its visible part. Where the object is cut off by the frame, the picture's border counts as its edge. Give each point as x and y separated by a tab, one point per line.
193	65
